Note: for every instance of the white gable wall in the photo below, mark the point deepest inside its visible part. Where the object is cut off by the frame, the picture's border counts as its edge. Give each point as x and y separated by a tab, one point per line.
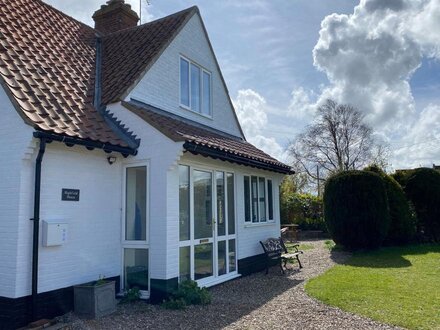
161	84
15	137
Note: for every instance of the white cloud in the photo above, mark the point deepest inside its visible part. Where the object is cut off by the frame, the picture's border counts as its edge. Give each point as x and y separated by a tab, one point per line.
421	146
252	110
369	57
301	106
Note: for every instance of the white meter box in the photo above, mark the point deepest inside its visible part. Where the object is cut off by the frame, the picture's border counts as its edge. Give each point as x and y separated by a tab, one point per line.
54	232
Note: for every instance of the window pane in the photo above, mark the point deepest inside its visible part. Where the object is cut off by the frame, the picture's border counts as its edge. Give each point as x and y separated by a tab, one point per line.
221	223
247	199
206	109
270	198
184	82
262	198
254	189
222	257
232	255
184	202
136	269
184	263
202	204
136	204
203	261
231	203
195	88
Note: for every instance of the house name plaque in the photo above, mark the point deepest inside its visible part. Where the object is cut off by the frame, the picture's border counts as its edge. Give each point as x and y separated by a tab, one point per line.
70	195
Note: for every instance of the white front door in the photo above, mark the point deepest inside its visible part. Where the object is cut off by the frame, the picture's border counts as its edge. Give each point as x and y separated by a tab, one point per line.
207	224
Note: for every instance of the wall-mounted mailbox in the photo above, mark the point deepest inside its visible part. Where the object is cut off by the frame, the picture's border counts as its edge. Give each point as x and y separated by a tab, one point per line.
54	232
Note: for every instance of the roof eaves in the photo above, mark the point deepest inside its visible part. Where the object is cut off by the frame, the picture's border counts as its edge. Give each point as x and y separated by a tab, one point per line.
235	158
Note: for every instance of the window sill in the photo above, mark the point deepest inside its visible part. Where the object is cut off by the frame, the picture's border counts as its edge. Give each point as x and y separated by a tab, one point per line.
259	224
195	112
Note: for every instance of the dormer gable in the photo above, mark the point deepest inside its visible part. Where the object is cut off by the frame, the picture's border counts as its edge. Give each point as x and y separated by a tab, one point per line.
186	80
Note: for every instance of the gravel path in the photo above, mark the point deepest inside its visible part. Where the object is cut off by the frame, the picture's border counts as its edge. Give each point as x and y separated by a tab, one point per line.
258	301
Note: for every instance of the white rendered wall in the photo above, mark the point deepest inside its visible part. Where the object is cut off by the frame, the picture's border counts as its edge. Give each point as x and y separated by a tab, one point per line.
15	138
93	246
160	86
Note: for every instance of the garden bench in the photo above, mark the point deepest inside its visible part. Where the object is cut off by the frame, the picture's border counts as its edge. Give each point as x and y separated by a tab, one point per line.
274	249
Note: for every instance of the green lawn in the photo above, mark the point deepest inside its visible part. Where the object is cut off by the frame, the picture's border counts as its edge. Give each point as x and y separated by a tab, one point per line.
399	286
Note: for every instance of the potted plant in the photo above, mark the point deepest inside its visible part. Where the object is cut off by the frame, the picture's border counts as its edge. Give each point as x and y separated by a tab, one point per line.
95	299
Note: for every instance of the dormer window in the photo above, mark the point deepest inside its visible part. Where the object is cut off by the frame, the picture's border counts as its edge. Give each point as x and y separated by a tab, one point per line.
195	87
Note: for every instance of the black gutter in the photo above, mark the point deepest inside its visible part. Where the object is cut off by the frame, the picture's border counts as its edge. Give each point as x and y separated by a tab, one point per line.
89	144
233	158
36	232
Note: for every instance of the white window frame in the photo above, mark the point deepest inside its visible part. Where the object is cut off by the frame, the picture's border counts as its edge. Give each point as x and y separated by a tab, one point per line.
266	188
202	70
132	244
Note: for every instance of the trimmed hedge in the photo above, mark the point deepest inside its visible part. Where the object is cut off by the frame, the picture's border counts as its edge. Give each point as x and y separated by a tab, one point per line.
304	210
403	225
356	209
423	190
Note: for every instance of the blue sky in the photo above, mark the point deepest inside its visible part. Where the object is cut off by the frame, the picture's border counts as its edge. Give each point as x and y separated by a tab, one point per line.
265	49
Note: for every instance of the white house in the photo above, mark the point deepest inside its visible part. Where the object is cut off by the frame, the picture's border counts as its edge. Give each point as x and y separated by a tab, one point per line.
122	157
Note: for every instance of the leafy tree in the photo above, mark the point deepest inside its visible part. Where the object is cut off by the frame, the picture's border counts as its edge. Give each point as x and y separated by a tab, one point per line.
338	140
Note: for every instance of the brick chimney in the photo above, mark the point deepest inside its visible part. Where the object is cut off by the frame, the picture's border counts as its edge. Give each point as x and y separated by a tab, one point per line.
114	16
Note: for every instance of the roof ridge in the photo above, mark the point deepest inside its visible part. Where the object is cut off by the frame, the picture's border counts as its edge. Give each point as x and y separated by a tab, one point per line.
189	9
66	16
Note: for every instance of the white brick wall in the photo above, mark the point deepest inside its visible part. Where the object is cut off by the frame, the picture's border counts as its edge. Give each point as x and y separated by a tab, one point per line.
15	137
160	86
161	154
93	247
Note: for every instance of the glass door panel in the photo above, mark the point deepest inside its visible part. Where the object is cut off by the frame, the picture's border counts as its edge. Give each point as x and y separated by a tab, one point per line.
203	261
231	203
221	257
232	255
221	205
203	219
185	263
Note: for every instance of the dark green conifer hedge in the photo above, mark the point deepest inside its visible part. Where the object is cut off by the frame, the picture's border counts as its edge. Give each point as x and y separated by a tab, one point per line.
423	190
356	209
402	224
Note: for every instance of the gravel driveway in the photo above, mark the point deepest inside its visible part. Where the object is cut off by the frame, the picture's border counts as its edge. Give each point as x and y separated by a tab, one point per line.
258	301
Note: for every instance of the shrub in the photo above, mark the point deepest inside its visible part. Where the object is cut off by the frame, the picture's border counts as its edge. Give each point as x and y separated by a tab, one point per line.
356	209
188	293
402	223
175	304
423	190
304	210
131	295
